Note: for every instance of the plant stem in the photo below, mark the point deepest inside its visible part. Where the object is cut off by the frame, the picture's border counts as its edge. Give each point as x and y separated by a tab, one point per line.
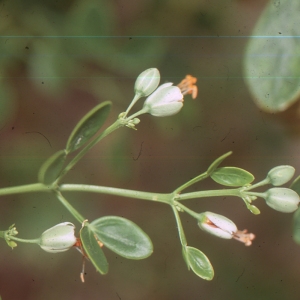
192	181
31	241
164	198
70	208
117	124
211	193
179	227
27	188
187	210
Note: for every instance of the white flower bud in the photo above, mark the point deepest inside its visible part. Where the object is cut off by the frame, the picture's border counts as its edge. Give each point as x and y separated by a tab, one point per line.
217	225
280	175
58	238
147	82
166	100
282	199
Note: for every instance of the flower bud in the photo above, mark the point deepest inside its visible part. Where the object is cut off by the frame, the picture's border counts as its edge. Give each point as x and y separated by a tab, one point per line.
217	225
58	238
280	175
147	82
282	199
166	100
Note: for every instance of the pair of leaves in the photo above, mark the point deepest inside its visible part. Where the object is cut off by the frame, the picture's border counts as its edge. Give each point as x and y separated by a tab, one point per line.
119	235
272	60
86	128
198	262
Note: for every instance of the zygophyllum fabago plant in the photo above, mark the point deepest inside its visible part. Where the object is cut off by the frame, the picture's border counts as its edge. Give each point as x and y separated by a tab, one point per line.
121	235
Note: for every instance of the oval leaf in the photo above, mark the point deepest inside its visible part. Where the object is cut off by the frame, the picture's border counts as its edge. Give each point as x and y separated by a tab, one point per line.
271	61
217	162
123	237
231	176
52	167
93	250
88	126
199	263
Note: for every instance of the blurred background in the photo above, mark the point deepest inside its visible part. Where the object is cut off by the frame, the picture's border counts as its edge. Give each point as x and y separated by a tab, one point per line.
58	59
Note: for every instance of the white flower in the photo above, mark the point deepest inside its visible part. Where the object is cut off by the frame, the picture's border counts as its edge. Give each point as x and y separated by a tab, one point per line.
217	225
224	228
166	100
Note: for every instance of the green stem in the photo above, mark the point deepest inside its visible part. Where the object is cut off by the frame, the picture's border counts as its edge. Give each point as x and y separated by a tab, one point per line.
117	124
164	198
144	110
70	208
31	241
261	183
211	193
27	188
137	96
187	210
192	181
179	227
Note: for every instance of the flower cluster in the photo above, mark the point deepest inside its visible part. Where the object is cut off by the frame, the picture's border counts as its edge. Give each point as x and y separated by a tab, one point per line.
166	100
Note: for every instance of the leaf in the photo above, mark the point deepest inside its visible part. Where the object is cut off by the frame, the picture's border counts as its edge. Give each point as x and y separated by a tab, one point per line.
199	263
231	176
296	185
88	126
217	162
93	250
272	62
123	237
52	167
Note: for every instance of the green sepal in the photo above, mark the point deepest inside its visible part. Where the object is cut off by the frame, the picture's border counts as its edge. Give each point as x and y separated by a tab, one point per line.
217	162
52	167
199	263
88	126
123	237
93	250
232	176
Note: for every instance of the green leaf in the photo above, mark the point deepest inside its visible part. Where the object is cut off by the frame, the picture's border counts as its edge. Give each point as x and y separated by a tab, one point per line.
52	167
93	250
123	237
217	162
296	226
199	263
272	62
231	176
88	126
296	185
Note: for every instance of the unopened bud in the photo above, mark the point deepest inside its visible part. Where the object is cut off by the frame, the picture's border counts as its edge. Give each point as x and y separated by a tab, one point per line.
280	175
282	199
58	238
147	82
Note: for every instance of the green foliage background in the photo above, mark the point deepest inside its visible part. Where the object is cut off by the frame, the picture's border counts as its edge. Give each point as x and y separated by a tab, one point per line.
58	60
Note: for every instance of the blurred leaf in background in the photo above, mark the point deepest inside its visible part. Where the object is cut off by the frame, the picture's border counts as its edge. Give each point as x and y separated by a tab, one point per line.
272	58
